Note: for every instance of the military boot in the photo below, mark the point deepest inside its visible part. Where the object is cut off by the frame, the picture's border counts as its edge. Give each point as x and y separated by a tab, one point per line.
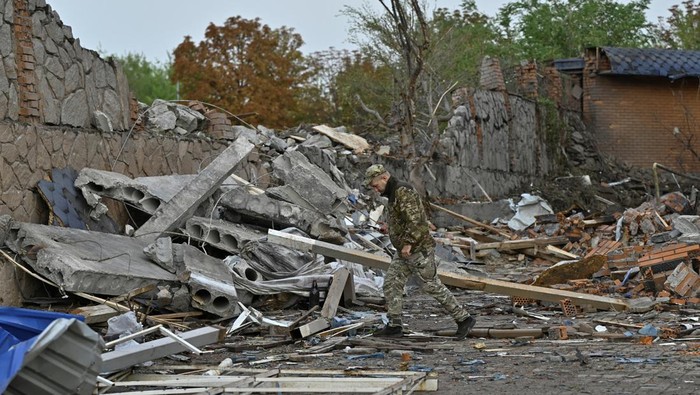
464	327
389	331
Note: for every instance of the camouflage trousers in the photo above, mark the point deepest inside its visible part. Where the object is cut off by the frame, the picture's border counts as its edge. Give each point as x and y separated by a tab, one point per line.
423	265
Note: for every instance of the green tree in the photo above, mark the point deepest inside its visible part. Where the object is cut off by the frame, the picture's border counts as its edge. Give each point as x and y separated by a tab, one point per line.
348	81
544	30
462	38
247	68
681	30
148	81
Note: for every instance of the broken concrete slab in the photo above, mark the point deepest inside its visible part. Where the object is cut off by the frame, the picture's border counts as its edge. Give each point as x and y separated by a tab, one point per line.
176	211
161	253
144	193
326	160
687	224
213	295
202	272
311	183
221	234
356	143
270	211
83	261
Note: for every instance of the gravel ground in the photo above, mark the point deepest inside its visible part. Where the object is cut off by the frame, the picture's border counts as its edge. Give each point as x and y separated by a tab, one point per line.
582	364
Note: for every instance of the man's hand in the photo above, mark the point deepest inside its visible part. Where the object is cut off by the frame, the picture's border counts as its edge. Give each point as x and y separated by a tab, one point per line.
406	251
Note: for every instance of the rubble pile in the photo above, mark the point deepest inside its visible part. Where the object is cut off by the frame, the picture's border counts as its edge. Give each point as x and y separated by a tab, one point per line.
220	259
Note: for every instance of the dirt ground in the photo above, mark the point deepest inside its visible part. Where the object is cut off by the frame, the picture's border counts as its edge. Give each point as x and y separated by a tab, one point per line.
583	364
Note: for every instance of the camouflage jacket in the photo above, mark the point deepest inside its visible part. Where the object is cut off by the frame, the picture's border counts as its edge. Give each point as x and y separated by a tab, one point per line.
408	222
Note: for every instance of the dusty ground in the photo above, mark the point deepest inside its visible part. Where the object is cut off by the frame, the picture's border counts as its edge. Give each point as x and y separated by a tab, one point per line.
505	366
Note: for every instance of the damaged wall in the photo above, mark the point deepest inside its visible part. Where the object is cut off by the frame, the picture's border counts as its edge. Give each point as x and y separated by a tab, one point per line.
30	152
503	140
47	77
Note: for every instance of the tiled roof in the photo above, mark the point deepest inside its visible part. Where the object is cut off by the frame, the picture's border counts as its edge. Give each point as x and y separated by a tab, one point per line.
668	63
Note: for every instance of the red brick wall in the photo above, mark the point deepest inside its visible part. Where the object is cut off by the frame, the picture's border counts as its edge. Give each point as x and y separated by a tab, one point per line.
633	119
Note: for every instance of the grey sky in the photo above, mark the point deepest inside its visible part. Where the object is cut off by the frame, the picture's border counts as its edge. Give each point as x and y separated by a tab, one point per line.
155	27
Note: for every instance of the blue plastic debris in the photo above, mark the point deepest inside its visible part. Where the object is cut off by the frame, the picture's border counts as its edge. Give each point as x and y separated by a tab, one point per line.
649	330
420	368
365	356
33	340
498	377
26	323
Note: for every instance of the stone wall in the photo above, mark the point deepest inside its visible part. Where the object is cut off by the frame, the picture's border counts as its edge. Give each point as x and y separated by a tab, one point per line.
48	78
495	138
30	152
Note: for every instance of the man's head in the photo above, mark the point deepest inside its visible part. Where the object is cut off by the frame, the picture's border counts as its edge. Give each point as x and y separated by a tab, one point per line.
376	178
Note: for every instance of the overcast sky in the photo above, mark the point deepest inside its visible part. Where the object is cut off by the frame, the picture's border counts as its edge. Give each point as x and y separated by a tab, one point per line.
155	27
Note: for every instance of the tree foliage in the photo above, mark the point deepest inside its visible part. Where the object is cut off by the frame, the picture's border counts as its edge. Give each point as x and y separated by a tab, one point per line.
462	38
348	80
245	67
681	30
550	29
148	81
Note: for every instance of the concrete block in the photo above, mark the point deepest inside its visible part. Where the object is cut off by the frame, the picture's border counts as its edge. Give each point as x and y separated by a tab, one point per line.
83	261
311	183
284	214
221	234
174	213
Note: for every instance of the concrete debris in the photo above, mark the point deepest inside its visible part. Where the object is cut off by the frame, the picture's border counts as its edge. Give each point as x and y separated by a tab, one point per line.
288	230
227	236
84	261
310	183
163	116
144	193
266	210
161	253
183	205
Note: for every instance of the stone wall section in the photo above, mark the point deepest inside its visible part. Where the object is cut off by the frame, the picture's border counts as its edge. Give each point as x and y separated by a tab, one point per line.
47	77
29	152
495	138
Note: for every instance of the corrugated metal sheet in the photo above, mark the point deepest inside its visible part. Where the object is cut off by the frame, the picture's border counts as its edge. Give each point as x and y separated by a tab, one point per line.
667	63
65	359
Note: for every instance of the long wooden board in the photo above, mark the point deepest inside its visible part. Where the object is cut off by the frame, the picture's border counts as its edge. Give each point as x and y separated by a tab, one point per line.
449	278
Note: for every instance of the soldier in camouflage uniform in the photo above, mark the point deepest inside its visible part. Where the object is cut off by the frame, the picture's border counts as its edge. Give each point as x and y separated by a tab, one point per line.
410	234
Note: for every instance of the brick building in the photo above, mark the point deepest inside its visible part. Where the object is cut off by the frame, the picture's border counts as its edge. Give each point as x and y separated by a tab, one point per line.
643	105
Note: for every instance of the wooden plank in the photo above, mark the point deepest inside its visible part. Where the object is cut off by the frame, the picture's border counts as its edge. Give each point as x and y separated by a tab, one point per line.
335	292
124	358
560	253
472	221
456	280
309	329
96	314
522	244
